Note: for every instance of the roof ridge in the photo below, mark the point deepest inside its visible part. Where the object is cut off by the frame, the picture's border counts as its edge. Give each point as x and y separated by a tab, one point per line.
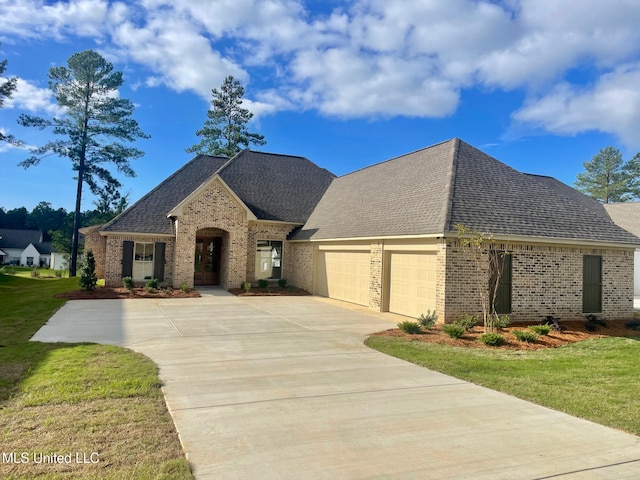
398	157
451	186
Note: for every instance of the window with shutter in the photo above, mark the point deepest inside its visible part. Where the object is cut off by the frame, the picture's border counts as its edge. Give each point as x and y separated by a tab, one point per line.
592	284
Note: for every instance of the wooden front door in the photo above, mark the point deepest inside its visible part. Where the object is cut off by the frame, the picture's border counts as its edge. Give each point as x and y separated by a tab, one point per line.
207	261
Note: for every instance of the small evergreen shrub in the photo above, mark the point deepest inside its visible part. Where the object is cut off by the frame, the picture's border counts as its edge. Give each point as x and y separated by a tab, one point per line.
453	330
492	339
262	283
88	279
467	321
246	286
428	320
541	329
35	273
499	321
127	282
282	283
526	336
184	287
633	325
152	284
410	327
593	322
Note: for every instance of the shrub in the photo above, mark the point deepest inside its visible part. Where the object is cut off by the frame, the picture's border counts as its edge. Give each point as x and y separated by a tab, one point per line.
410	327
35	273
282	283
499	321
541	329
246	286
428	320
58	273
453	330
526	336
633	325
127	282
593	322
184	287
88	279
262	283
152	284
492	339
467	321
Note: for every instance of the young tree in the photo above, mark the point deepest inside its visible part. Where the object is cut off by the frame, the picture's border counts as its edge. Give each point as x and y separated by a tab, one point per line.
225	130
88	279
94	116
608	178
7	87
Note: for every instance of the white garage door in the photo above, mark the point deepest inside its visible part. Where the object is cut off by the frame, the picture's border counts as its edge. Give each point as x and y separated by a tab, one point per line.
344	276
412	283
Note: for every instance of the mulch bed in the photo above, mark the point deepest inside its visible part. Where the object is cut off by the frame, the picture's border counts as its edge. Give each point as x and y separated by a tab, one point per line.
574	332
107	293
269	292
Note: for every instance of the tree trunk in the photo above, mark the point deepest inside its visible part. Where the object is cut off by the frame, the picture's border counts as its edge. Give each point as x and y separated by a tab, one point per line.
76	223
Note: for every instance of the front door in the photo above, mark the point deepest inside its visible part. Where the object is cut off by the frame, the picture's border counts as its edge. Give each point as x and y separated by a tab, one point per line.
206	264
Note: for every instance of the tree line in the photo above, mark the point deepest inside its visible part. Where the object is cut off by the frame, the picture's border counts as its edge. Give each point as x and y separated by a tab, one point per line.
57	224
97	125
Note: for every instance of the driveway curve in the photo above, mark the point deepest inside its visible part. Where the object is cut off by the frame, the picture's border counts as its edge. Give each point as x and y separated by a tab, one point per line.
284	388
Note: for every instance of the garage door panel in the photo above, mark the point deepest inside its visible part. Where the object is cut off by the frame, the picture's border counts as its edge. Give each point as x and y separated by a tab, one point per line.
344	276
412	283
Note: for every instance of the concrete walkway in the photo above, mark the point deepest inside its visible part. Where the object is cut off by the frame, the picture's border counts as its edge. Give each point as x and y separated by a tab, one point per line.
283	388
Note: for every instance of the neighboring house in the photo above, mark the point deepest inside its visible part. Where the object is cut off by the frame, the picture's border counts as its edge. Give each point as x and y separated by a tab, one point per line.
26	248
627	215
383	237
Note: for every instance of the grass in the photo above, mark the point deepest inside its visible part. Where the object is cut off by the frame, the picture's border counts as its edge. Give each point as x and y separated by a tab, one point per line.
78	398
595	379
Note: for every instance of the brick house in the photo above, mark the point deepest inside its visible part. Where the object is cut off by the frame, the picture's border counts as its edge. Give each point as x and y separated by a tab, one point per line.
383	237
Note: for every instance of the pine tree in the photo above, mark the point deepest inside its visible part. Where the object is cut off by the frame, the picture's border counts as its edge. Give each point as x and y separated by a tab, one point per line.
225	130
7	87
94	116
88	279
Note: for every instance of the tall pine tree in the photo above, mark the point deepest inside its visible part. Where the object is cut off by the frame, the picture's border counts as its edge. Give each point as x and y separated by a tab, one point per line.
608	178
225	130
95	118
7	87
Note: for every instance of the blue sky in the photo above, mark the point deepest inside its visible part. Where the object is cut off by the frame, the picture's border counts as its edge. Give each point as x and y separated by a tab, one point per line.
541	85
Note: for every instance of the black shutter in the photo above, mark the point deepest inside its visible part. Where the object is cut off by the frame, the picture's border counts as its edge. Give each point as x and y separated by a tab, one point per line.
592	284
158	261
501	260
127	258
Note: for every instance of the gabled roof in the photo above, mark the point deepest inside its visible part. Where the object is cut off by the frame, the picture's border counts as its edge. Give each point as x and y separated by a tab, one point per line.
430	191
44	248
626	214
274	187
14	238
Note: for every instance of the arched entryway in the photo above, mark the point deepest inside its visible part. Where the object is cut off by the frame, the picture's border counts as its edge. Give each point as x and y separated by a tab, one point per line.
208	262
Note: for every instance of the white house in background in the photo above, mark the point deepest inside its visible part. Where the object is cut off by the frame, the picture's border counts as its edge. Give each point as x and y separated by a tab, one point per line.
627	215
26	248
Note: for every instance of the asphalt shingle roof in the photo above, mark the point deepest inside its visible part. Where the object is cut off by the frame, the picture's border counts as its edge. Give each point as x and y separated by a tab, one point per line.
274	187
434	189
14	238
626	214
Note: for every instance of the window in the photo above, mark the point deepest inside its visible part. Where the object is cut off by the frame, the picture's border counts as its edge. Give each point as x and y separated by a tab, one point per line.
592	284
29	261
143	261
500	265
269	259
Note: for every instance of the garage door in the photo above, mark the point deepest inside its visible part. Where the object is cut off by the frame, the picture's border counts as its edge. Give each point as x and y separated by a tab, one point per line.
344	276
412	283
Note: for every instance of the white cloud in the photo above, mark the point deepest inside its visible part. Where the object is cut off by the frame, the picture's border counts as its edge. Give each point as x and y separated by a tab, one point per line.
611	105
28	96
368	57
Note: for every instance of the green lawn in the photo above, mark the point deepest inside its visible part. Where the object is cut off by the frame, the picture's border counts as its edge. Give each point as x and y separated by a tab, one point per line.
595	379
78	398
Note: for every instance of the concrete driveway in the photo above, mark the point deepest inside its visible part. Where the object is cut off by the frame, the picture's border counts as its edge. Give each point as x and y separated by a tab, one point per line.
283	388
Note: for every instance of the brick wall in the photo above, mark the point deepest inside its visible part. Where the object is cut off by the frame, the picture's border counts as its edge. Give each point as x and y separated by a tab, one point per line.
98	245
113	258
214	207
269	231
302	264
376	276
546	280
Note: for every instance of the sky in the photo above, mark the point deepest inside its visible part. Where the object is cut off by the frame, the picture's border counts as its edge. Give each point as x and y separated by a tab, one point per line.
541	85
